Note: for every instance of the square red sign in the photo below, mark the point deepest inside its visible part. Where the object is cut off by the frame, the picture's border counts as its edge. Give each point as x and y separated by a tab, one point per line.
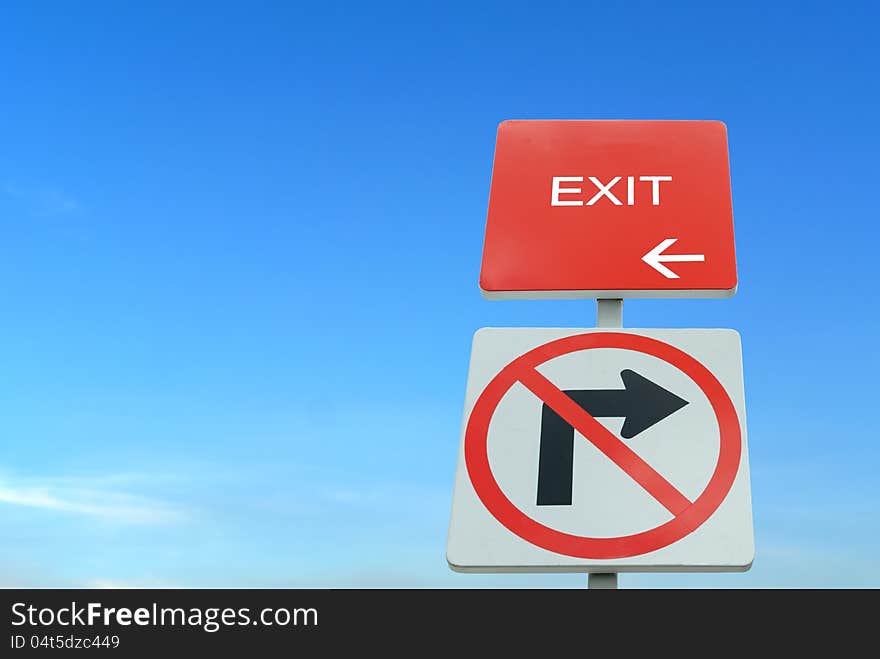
610	209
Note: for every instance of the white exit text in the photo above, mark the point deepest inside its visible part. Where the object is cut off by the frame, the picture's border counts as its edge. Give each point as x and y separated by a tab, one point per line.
564	194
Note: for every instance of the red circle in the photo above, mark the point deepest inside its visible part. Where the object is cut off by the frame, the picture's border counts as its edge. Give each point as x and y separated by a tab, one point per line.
515	520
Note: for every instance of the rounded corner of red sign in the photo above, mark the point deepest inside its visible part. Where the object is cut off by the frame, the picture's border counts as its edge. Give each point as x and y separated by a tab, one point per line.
610	205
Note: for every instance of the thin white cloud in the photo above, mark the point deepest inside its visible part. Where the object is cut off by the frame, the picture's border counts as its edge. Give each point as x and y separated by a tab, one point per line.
98	503
42	201
110	584
53	202
384	495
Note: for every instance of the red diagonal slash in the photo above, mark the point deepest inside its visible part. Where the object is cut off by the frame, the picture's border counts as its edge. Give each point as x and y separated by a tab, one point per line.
618	452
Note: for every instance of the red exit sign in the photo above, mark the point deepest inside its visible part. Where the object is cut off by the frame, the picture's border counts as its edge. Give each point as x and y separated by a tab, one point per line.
610	209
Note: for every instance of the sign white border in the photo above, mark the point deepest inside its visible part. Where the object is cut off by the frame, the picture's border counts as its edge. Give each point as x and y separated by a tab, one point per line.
478	542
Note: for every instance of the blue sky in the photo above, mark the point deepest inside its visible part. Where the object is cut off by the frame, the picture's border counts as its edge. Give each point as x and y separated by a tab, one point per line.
241	246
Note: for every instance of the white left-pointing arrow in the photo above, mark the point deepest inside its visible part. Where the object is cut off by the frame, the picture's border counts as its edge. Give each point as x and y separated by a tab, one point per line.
656	258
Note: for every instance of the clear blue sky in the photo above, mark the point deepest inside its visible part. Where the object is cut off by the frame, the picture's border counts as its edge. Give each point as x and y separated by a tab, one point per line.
240	254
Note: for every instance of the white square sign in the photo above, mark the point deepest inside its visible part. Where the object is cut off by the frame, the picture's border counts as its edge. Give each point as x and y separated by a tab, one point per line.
603	450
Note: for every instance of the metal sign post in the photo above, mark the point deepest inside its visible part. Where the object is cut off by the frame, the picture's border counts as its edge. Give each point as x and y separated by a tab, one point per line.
609	313
602	581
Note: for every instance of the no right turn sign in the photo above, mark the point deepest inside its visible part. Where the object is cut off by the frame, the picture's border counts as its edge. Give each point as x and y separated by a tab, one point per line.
603	450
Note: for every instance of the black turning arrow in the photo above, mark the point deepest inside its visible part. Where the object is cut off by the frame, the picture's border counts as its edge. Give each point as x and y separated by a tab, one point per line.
641	402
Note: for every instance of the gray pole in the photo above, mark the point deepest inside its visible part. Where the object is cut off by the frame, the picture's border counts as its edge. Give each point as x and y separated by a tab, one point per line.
609	313
602	580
